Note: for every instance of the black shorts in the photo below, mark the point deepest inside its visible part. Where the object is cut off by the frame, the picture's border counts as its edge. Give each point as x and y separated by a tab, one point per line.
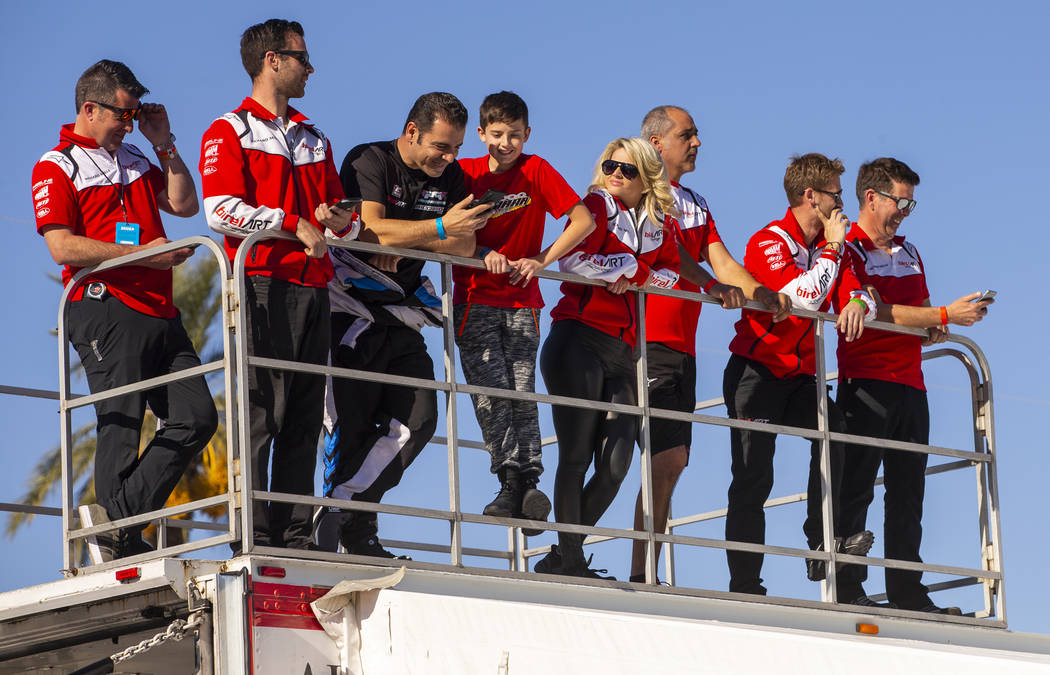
672	386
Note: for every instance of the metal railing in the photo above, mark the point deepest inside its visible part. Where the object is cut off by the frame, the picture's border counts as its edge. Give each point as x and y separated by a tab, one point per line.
237	361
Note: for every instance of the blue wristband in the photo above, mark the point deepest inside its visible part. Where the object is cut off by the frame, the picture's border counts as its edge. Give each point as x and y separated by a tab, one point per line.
441	229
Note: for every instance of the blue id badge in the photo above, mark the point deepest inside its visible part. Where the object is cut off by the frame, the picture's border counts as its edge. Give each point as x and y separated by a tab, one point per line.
127	233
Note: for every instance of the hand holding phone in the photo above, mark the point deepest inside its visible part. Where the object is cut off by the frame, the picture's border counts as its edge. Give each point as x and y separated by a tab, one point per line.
490	197
347	205
987	295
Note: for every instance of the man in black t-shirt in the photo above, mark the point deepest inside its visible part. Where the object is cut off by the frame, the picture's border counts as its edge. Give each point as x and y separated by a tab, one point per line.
412	196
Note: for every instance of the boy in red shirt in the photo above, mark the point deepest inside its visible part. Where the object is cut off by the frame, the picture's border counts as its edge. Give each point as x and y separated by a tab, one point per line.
496	311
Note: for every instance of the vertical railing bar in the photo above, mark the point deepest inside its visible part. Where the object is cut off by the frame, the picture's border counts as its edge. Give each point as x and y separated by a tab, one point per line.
828	590
241	328
456	529
65	432
642	370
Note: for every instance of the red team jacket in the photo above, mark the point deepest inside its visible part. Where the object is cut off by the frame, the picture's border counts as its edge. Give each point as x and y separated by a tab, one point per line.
257	175
514	228
672	321
900	279
81	186
778	258
623	244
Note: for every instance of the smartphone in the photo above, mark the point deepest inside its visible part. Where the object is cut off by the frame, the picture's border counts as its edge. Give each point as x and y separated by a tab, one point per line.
347	205
490	197
191	245
987	295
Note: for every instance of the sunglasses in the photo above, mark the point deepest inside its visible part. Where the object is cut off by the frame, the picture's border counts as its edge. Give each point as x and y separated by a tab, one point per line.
123	114
836	195
300	55
903	203
628	171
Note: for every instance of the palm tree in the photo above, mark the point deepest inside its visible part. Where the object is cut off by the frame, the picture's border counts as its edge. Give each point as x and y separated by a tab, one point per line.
199	296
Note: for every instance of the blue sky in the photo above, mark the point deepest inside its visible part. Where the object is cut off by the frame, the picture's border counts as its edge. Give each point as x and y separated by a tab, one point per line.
958	91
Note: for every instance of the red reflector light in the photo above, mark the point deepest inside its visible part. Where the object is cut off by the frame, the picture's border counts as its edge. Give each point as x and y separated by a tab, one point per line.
867	628
277	572
130	574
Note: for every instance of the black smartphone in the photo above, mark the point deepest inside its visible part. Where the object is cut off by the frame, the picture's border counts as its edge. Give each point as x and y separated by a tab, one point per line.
490	197
347	205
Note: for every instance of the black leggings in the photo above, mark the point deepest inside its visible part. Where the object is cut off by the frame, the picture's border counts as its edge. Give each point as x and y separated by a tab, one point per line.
583	362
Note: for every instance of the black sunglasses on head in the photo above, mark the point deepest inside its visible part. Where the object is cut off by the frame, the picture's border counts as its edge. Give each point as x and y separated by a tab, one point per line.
123	114
628	171
300	55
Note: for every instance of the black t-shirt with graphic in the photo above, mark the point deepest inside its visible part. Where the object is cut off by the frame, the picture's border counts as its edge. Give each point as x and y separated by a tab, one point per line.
375	172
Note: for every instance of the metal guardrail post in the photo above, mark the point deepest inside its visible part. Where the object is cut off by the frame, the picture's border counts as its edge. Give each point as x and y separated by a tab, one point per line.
67	403
242	472
828	589
642	369
456	524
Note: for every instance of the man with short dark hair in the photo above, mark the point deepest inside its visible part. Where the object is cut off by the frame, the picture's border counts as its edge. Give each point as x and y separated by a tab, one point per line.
671	323
881	390
770	376
97	198
413	196
265	166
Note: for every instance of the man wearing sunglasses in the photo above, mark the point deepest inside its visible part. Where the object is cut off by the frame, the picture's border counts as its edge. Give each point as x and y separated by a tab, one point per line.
881	391
770	376
97	198
671	323
265	166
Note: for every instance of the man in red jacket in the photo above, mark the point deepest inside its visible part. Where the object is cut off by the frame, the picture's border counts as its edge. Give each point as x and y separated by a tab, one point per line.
770	376
265	166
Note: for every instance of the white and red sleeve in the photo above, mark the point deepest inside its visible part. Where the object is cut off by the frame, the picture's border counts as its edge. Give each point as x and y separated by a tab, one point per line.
54	198
601	255
225	194
773	265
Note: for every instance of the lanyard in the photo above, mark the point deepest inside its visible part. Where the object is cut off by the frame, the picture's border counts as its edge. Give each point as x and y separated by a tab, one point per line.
120	178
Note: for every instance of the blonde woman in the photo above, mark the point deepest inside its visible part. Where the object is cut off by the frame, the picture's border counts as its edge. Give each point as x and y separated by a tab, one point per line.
589	351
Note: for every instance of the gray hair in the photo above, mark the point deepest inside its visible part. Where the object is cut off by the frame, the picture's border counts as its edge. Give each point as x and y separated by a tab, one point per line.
657	122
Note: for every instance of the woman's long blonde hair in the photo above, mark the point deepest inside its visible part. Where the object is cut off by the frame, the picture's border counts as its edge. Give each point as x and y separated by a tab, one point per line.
656	188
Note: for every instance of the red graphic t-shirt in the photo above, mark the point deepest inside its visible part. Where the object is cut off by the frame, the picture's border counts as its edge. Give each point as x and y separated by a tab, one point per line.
515	228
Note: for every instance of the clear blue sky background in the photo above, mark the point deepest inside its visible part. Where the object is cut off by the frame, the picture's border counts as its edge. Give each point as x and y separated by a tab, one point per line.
957	90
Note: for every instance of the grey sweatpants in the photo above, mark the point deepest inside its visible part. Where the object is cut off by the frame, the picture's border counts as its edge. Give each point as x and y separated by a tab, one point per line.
497	347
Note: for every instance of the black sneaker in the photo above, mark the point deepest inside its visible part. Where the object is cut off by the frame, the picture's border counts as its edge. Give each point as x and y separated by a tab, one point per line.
370	546
550	563
507	503
133	544
865	601
855	544
585	571
934	609
640	579
534	504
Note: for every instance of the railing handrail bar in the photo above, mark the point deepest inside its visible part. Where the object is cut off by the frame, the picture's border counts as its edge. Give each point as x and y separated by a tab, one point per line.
67	402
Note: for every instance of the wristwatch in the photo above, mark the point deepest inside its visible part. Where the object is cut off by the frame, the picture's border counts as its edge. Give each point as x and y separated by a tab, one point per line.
167	150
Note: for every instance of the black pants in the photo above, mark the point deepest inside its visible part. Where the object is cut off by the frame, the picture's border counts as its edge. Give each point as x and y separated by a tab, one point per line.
583	362
381	428
117	346
752	392
288	322
898	412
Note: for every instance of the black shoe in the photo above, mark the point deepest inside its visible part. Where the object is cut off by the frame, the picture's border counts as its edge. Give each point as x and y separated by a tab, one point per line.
855	544
534	504
370	546
934	609
507	503
133	544
550	563
584	571
640	579
865	601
